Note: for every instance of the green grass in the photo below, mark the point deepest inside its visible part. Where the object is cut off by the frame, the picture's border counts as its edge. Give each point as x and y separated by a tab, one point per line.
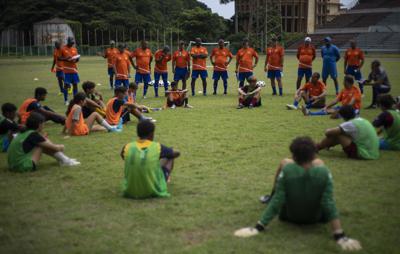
228	160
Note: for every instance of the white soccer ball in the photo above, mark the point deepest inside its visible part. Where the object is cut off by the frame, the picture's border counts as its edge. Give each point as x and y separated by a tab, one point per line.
35	79
261	83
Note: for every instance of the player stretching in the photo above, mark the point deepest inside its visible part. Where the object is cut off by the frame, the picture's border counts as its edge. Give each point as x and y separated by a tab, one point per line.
121	67
59	70
244	62
306	55
303	194
162	57
109	54
177	97
69	55
143	58
353	62
199	68
250	95
181	65
274	65
330	55
220	58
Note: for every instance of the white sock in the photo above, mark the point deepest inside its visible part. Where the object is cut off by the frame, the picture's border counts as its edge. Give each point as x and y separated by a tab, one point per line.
60	156
106	124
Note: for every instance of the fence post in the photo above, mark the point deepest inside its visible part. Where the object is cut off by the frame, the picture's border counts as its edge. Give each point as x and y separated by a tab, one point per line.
137	37
23	43
30	43
164	36
171	38
8	42
1	49
158	45
116	35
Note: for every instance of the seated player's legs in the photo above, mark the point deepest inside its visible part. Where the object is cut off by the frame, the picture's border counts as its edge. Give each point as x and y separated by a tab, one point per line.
242	76
348	146
383	144
251	101
377	90
319	103
167	165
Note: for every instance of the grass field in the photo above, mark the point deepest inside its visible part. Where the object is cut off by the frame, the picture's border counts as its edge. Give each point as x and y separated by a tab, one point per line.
228	160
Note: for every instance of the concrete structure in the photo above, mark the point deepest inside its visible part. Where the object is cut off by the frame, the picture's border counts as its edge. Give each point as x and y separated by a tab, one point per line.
47	32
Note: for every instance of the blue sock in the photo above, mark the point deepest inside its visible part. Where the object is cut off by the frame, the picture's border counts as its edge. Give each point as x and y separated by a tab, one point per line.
318	113
65	92
280	91
225	85
361	87
273	90
166	85
156	88
295	103
75	90
308	105
145	89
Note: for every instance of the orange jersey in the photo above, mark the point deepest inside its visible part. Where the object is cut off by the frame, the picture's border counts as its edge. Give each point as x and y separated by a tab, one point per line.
131	98
161	67
181	58
354	57
314	90
56	55
245	59
23	110
111	116
221	58
306	56
110	55
275	57
143	58
67	52
80	127
346	95
122	65
199	63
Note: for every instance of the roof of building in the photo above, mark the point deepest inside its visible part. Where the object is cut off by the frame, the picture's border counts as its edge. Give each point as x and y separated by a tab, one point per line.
52	21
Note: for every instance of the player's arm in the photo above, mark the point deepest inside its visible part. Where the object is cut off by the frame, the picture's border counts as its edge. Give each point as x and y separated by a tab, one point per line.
54	63
333	132
92	103
345	62
337	53
50	113
211	58
132	62
322	95
314	54
298	54
159	60
255	55
230	57
332	103
173	63
151	60
266	62
255	91
237	63
362	58
282	57
241	91
123	150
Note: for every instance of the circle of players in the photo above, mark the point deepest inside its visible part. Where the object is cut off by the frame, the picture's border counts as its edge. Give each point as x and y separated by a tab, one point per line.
148	164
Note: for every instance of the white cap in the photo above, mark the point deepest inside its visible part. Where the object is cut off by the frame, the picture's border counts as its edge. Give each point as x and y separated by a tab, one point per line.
307	39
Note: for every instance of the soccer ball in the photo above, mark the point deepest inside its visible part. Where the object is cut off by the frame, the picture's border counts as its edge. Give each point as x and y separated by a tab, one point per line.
261	83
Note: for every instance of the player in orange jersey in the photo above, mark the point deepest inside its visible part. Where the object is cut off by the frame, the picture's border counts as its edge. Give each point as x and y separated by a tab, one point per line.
306	55
177	97
162	57
353	62
220	58
274	65
199	58
143	57
109	54
246	60
181	64
59	70
121	67
70	57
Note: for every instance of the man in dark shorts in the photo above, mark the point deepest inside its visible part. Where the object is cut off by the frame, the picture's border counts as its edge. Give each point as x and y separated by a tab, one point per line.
250	95
356	135
303	194
27	147
177	97
33	105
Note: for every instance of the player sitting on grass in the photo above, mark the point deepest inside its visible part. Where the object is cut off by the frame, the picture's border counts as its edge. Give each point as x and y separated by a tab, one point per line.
350	95
313	93
148	165
388	122
303	194
27	147
33	105
250	95
8	127
177	97
379	81
94	100
131	98
77	125
356	135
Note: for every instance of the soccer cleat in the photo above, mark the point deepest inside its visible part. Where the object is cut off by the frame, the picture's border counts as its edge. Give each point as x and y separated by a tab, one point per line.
265	199
115	129
173	106
188	106
66	103
251	106
144	97
119	126
240	106
70	90
290	107
305	111
60	93
70	163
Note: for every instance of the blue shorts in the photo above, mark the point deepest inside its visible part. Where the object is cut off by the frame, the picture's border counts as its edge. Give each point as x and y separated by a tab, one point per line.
354	71
383	144
110	71
60	74
71	78
5	143
301	72
180	73
163	75
124	82
145	78
220	74
274	74
244	75
202	73
329	70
